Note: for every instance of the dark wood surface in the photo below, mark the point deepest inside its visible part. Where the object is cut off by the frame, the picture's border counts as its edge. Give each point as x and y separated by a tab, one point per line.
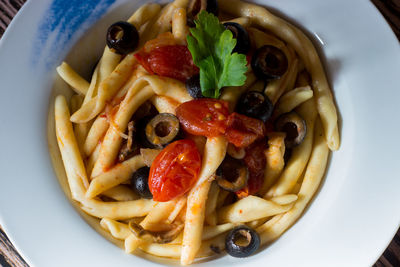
10	257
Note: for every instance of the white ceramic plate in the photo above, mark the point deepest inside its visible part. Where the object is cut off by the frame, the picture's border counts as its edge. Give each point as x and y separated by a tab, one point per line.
351	220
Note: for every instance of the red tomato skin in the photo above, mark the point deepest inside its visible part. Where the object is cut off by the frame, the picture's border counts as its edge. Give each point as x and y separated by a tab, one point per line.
255	161
143	59
175	170
242	131
204	116
173	61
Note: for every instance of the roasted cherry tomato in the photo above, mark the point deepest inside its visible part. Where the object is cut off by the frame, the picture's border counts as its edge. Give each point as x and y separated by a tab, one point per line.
205	116
242	131
173	61
175	170
255	162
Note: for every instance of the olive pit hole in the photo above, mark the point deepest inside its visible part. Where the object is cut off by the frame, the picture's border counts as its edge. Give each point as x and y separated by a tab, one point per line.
272	61
242	238
163	129
291	130
117	33
255	99
234	31
231	174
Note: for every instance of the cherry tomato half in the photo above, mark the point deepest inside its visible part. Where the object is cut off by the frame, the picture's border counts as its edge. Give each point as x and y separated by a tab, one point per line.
242	131
255	162
173	61
175	170
205	116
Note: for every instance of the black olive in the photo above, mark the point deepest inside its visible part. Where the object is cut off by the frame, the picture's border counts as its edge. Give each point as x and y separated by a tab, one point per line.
256	105
162	130
241	36
294	126
242	241
122	37
140	182
232	174
269	62
193	86
212	7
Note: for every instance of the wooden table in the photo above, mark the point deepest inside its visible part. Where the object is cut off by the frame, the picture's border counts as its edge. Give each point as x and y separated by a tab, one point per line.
10	257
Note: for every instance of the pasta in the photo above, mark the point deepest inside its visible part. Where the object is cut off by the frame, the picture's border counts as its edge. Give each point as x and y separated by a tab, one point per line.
179	169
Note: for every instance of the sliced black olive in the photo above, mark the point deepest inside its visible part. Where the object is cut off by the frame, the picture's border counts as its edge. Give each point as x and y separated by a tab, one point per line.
212	7
196	6
140	182
241	36
242	241
294	126
193	86
162	129
256	105
122	37
269	62
232	174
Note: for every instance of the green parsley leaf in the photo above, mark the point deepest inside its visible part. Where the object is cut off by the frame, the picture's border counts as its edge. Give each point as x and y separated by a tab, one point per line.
211	46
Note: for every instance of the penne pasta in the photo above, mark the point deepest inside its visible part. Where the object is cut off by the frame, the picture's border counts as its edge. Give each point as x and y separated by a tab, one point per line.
120	193
118	230
95	134
195	213
117	210
213	155
115	176
179	206
107	90
292	99
179	28
164	104
77	83
158	215
144	14
73	163
249	209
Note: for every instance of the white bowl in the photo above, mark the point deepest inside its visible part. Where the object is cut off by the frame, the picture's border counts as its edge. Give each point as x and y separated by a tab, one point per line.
349	223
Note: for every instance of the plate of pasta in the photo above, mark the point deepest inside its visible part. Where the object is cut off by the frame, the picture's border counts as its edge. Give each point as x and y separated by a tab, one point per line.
204	132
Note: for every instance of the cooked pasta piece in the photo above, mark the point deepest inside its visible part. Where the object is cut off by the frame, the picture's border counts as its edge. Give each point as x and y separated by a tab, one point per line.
77	83
115	176
249	209
292	99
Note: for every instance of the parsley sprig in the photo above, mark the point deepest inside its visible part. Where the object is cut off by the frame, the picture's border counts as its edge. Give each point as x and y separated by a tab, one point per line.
211	46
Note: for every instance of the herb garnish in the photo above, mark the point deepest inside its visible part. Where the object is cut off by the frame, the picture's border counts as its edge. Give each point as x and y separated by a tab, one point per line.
211	46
